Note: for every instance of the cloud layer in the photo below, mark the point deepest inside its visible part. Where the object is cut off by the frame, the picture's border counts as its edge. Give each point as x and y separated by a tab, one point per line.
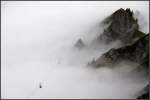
37	46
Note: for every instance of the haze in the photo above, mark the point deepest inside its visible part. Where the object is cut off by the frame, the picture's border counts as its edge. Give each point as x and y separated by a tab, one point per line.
37	40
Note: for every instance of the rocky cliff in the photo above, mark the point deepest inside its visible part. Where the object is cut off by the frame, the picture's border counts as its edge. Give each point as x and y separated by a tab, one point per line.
144	93
121	26
137	52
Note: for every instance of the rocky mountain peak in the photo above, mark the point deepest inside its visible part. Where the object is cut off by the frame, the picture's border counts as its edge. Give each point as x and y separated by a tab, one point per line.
123	26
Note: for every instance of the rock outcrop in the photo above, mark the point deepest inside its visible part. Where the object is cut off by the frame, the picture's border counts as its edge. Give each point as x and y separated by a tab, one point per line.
79	44
137	52
144	93
122	26
134	47
144	96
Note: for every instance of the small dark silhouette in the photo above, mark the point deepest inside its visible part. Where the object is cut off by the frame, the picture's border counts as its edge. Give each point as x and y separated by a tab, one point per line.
79	44
40	86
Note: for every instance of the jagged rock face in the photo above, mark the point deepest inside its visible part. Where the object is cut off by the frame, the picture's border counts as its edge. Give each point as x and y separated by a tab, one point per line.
137	52
144	93
144	96
122	27
135	49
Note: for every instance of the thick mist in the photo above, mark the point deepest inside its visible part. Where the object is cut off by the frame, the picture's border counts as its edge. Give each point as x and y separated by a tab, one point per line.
37	45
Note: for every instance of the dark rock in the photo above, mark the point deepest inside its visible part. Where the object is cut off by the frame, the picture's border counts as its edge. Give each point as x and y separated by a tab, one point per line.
122	26
79	44
135	49
137	52
145	93
144	96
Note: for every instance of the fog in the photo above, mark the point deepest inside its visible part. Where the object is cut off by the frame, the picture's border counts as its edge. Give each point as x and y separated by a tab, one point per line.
37	45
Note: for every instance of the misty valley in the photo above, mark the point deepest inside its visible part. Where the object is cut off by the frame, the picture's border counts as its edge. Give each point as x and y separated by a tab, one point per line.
74	52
